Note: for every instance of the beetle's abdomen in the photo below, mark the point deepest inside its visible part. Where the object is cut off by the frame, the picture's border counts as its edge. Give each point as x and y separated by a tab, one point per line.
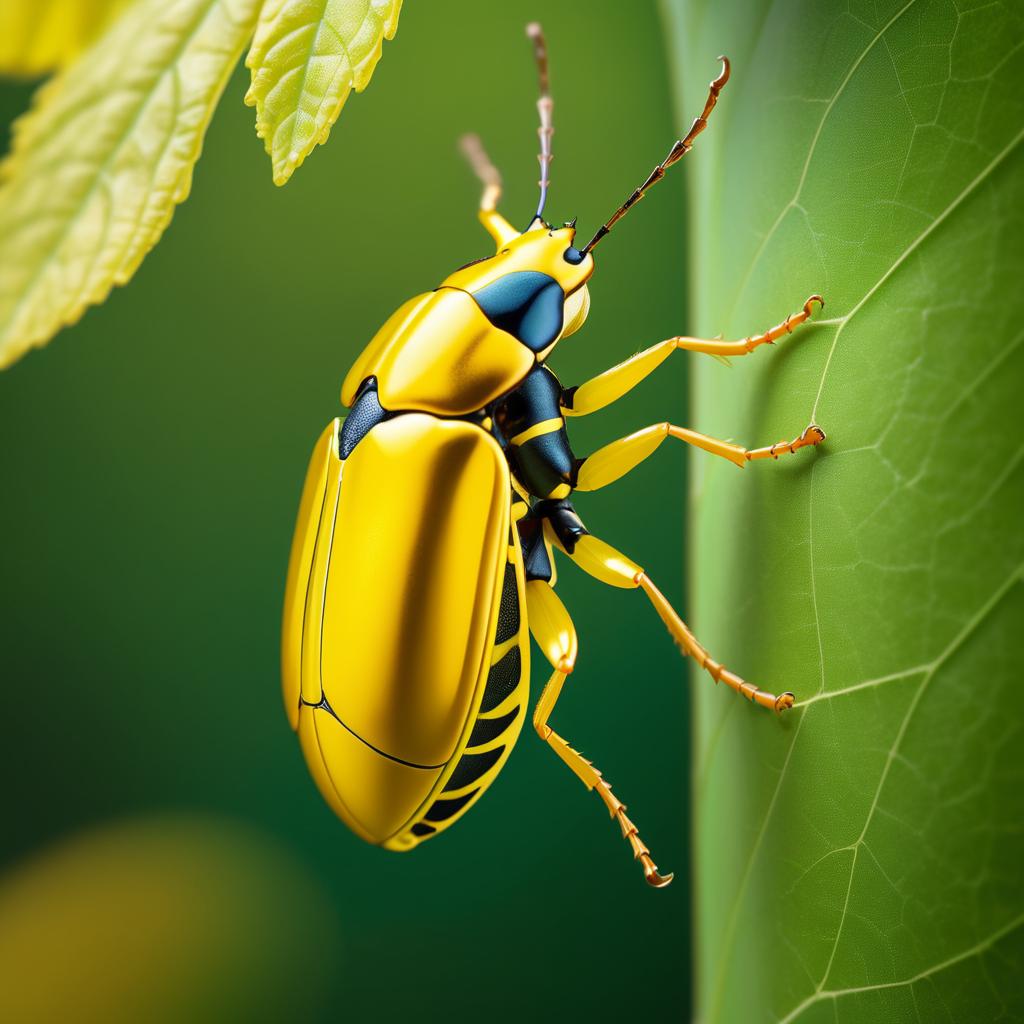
496	725
394	604
439	353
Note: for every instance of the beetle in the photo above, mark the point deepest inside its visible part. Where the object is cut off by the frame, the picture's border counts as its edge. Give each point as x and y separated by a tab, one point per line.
423	554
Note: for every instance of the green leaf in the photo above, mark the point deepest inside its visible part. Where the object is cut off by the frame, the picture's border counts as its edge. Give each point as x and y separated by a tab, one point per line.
859	860
107	151
308	55
37	36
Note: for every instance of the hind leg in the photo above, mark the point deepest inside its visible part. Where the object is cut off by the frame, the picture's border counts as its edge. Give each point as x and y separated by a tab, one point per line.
615	460
555	634
564	528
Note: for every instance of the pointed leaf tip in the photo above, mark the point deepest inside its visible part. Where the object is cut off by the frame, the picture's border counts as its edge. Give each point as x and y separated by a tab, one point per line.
305	59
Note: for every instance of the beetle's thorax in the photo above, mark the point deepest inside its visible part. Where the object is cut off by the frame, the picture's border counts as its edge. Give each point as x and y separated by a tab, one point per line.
456	349
541	256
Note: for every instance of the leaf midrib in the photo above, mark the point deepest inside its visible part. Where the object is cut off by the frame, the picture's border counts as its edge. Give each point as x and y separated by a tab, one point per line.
321	21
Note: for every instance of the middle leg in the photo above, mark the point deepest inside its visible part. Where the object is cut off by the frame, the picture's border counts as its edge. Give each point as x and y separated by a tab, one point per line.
614	460
556	636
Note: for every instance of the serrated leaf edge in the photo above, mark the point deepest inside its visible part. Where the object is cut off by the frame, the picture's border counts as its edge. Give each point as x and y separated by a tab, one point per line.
360	77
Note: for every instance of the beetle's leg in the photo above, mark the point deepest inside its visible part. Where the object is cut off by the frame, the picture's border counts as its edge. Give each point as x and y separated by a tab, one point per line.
611	385
555	634
614	460
604	563
689	644
747	345
497	227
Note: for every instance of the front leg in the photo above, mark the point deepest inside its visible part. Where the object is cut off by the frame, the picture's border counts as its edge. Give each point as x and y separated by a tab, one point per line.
611	385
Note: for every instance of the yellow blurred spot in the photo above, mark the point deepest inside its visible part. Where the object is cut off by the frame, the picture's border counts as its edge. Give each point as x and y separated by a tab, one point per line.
37	36
162	919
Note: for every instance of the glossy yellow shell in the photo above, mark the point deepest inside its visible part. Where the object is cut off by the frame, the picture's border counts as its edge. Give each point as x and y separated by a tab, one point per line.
390	616
440	354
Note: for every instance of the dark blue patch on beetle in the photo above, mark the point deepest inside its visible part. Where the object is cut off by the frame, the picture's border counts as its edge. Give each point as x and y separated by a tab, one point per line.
366	413
527	304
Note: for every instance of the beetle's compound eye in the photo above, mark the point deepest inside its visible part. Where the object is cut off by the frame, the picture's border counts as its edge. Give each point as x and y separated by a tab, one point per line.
573	255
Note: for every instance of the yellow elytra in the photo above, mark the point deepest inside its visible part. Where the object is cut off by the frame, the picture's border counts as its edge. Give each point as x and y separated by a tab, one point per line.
423	555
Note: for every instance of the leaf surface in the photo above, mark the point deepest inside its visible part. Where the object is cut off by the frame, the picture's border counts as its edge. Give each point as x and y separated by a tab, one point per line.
308	55
99	163
37	36
859	860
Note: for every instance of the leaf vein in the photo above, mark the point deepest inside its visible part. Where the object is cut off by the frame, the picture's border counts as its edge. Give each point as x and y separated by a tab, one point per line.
810	153
976	950
910	249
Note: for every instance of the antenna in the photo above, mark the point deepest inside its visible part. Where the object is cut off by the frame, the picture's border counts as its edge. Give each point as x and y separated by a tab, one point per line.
545	108
677	152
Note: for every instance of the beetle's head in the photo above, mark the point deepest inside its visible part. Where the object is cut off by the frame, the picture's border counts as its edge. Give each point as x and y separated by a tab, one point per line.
540	265
551	250
542	252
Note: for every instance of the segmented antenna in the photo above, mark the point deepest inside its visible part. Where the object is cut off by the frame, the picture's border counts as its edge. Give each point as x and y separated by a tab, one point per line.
473	150
677	152
545	108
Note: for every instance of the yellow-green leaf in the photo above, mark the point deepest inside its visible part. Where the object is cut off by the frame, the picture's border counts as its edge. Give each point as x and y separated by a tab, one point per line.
37	36
107	151
308	55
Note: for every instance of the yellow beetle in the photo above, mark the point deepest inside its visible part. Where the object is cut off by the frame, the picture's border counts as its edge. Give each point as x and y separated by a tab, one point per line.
423	553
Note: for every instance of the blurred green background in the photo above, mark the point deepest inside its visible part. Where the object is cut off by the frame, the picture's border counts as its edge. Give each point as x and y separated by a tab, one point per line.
151	464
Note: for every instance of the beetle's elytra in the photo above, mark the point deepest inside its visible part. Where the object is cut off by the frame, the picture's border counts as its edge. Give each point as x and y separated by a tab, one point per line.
423	555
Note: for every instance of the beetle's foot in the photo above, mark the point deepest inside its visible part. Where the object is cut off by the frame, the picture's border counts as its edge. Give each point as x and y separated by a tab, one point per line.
813	435
651	875
770	336
617	810
758	696
784	702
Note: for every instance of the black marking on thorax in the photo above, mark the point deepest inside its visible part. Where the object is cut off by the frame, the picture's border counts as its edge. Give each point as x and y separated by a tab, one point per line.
564	521
535	399
536	562
545	461
527	304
